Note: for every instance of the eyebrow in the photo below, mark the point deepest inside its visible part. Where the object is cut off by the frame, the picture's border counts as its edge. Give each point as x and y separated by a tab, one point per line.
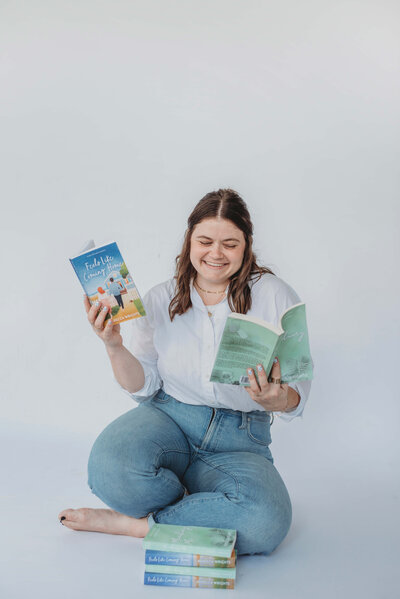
205	237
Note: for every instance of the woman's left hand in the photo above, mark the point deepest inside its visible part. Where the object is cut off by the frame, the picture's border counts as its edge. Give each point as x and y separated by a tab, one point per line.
272	396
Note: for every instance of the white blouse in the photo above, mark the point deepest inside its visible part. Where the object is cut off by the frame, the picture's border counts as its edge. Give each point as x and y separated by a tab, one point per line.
179	355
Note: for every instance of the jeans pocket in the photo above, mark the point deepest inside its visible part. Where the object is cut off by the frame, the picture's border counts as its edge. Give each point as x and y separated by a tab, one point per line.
161	397
258	428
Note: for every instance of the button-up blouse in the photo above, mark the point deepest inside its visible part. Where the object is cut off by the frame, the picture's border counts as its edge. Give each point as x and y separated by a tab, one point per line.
178	356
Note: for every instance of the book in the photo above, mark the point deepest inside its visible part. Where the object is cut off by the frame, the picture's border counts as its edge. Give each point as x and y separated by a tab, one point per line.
175	580
189	571
170	558
191	539
247	341
104	276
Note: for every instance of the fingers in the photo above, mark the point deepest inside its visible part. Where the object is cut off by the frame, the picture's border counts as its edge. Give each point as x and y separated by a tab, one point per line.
253	381
99	322
96	316
276	369
262	377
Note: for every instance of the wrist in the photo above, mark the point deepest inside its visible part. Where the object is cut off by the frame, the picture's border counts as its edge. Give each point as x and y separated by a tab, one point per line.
113	350
293	400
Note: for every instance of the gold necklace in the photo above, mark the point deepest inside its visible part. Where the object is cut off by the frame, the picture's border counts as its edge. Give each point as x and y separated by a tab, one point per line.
210	314
205	290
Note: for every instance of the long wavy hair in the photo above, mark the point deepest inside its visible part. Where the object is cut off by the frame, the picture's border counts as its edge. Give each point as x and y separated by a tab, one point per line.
227	204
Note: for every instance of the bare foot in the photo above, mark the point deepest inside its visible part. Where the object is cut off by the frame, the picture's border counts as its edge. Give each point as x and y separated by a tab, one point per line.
101	520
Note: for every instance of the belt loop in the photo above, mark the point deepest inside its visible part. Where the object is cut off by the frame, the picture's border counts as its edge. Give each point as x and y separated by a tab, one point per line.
244	420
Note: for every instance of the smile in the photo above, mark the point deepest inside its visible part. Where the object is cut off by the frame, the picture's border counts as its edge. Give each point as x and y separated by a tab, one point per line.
214	265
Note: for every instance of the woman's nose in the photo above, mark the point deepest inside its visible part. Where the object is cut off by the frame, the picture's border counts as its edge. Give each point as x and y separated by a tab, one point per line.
216	250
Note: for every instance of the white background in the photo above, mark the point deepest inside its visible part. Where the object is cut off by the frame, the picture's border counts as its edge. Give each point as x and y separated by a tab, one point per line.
116	118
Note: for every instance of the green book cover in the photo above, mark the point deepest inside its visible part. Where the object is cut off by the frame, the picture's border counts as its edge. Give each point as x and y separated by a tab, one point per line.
247	341
192	571
191	539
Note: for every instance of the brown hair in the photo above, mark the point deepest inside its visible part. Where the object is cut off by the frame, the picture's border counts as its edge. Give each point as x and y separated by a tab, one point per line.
227	204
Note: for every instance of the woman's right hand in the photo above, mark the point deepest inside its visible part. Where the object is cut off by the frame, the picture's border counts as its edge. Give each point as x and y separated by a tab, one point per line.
109	333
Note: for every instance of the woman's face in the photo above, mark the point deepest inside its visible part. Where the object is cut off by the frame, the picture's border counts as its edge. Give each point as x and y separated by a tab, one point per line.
216	252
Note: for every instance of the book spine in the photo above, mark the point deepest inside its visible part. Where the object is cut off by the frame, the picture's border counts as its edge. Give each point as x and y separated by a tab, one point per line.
170	558
177	548
189	571
203	582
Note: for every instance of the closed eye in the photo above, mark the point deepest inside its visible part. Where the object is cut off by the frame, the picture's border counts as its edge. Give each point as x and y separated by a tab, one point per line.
209	243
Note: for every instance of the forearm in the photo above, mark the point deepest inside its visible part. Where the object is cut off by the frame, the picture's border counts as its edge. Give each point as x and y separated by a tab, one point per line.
127	369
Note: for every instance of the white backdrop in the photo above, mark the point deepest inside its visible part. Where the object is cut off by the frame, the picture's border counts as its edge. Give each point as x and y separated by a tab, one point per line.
117	117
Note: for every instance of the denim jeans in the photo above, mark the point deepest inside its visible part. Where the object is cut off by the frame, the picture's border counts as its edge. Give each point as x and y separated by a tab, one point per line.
194	466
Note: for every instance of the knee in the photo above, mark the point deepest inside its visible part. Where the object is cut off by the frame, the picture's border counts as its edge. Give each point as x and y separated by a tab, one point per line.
102	462
109	456
265	527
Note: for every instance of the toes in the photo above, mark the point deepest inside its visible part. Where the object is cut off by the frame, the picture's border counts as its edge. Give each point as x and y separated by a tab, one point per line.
70	515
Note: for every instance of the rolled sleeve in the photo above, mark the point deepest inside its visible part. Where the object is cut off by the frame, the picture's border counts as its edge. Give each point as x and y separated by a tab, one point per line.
142	347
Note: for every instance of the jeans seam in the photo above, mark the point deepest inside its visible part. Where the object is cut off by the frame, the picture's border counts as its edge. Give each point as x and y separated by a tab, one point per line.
173	509
223	471
157	466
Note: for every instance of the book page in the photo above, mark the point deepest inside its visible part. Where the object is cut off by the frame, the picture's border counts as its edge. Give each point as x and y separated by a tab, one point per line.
293	349
243	345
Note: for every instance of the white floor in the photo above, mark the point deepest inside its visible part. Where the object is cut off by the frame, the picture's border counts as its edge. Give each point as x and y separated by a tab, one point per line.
343	541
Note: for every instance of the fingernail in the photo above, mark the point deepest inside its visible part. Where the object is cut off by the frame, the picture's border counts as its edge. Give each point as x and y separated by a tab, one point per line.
61	519
105	308
249	371
275	361
259	367
97	303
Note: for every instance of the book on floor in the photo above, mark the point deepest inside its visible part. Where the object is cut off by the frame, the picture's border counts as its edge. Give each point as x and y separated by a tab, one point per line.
190	556
171	558
201	540
247	341
176	580
191	571
104	276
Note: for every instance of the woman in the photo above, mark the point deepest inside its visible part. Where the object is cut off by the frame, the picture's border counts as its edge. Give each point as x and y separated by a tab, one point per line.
194	452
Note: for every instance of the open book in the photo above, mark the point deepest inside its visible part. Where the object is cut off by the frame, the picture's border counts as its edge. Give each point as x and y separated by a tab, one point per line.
104	276
248	341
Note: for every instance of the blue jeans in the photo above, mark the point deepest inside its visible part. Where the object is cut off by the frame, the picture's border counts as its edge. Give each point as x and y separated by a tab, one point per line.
193	465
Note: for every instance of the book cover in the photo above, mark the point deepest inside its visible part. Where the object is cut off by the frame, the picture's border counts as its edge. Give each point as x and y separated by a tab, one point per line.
248	341
104	276
191	571
170	558
200	582
191	539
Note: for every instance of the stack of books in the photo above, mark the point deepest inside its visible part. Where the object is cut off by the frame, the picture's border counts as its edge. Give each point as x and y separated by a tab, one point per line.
190	556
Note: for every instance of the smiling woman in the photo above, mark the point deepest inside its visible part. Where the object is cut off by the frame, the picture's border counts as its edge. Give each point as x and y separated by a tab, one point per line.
217	254
217	259
195	452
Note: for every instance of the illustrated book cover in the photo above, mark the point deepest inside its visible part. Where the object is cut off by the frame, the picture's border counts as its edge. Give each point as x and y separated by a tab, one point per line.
247	341
104	276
